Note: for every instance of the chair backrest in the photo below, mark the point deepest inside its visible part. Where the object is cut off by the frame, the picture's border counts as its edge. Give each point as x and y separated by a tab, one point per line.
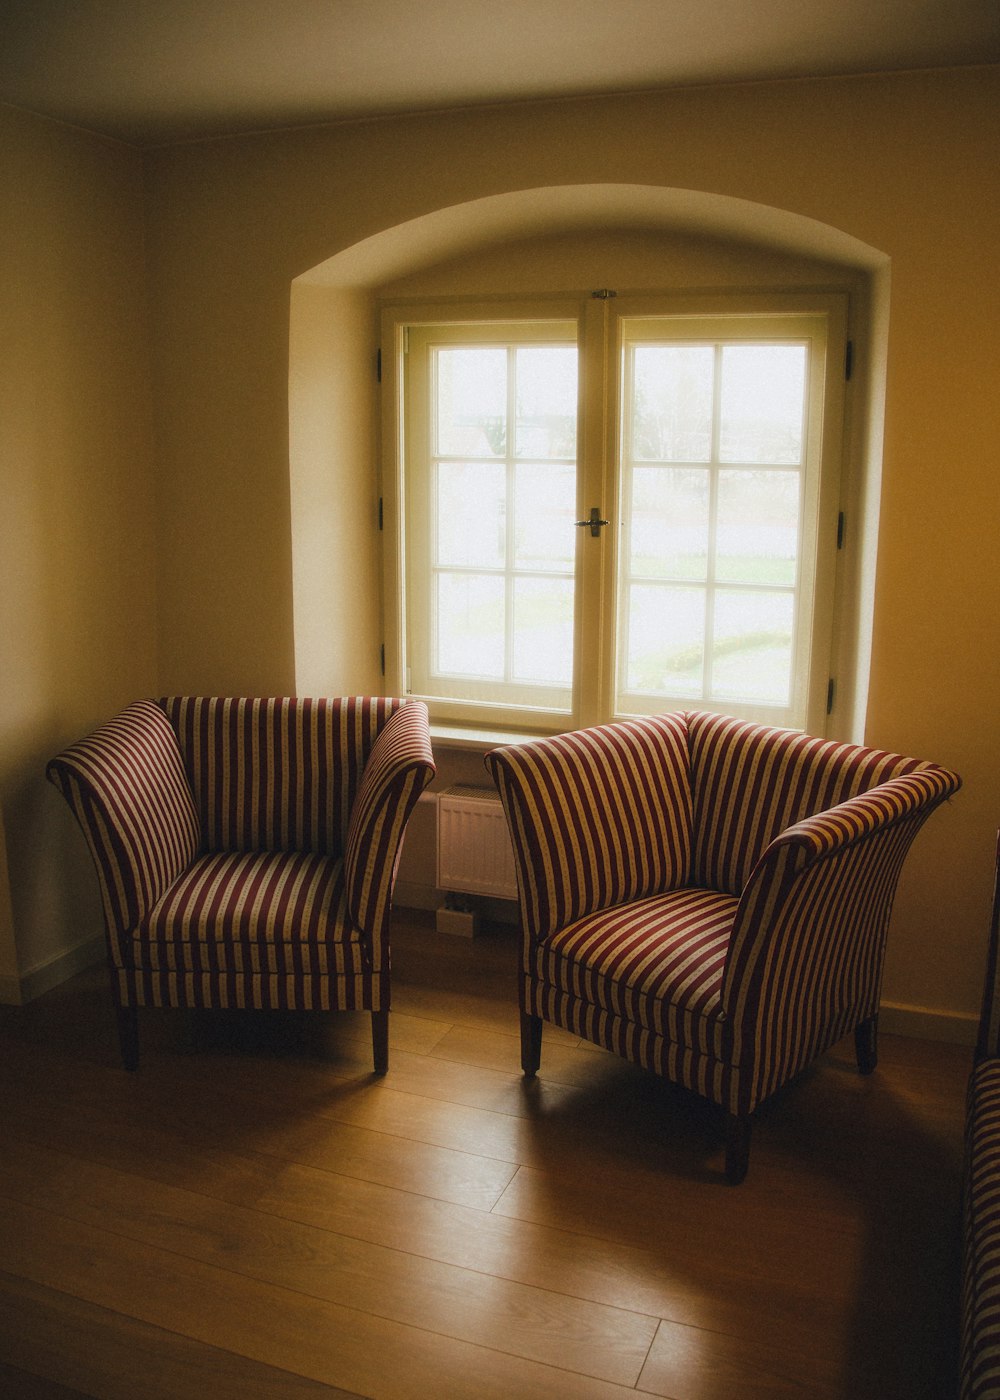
750	783
276	773
597	817
988	1043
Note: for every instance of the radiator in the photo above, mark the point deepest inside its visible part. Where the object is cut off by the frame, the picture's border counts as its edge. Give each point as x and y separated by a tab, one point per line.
474	854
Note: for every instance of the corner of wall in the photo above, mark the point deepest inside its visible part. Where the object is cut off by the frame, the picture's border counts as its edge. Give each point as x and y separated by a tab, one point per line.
333	489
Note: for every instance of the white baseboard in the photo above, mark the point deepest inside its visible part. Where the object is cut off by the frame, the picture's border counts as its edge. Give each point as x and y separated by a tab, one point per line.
408	894
923	1023
18	991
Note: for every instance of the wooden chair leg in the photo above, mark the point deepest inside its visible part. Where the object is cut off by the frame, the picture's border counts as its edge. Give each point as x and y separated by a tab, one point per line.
128	1035
737	1147
531	1044
380	1041
866	1044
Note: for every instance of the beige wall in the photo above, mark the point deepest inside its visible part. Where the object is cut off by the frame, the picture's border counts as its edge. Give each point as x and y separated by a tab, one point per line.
333	495
904	165
77	614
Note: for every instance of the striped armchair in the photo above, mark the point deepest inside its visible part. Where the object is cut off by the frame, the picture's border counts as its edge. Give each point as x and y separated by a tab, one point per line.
246	850
980	1349
708	898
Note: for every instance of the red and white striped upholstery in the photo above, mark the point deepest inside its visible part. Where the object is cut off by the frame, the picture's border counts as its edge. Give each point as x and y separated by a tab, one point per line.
980	1350
707	897
597	817
750	783
646	975
247	848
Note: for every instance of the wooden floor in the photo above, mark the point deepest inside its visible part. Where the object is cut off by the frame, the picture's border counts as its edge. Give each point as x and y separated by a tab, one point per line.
252	1214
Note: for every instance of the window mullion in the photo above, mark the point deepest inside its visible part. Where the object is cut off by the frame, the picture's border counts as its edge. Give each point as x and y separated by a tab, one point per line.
598	478
715	456
624	510
511	507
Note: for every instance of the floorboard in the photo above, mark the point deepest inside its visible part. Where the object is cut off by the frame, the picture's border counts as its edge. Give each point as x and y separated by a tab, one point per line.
253	1213
110	1354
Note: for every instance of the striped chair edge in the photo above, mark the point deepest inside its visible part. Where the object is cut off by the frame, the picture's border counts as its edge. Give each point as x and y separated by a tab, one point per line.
980	1295
248	991
808	943
398	768
980	1300
988	1040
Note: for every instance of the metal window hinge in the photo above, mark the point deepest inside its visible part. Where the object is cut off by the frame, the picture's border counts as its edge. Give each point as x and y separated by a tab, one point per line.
831	691
603	294
849	359
378	365
382	657
841	528
380	516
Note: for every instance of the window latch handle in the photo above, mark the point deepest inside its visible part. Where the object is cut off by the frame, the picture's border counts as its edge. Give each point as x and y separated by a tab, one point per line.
595	522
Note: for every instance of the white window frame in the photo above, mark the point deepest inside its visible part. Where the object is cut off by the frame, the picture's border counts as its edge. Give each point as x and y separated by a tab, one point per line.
759	321
423	343
602	323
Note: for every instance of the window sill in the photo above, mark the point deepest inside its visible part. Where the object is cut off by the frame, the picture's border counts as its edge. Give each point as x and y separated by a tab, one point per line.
447	736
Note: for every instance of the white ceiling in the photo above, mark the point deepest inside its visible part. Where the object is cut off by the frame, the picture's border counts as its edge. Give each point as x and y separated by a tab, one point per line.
151	72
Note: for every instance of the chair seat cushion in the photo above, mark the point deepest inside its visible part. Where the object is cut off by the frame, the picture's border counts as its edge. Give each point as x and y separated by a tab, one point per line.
278	912
657	962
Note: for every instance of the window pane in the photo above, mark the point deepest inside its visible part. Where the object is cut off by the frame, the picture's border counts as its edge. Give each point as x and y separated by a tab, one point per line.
763	388
470	510
471	401
672	403
546	401
470	633
704	434
668	536
752	647
544	511
666	641
757	539
543	630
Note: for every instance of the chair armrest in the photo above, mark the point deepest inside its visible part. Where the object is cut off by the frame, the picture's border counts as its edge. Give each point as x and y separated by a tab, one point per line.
809	935
825	833
596	817
399	767
126	785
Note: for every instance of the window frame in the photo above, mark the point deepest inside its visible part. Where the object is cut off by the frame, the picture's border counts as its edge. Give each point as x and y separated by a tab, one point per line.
784	318
396	321
600	321
424	343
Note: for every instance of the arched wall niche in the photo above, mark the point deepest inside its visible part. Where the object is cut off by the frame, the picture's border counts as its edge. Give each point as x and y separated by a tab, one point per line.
333	390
